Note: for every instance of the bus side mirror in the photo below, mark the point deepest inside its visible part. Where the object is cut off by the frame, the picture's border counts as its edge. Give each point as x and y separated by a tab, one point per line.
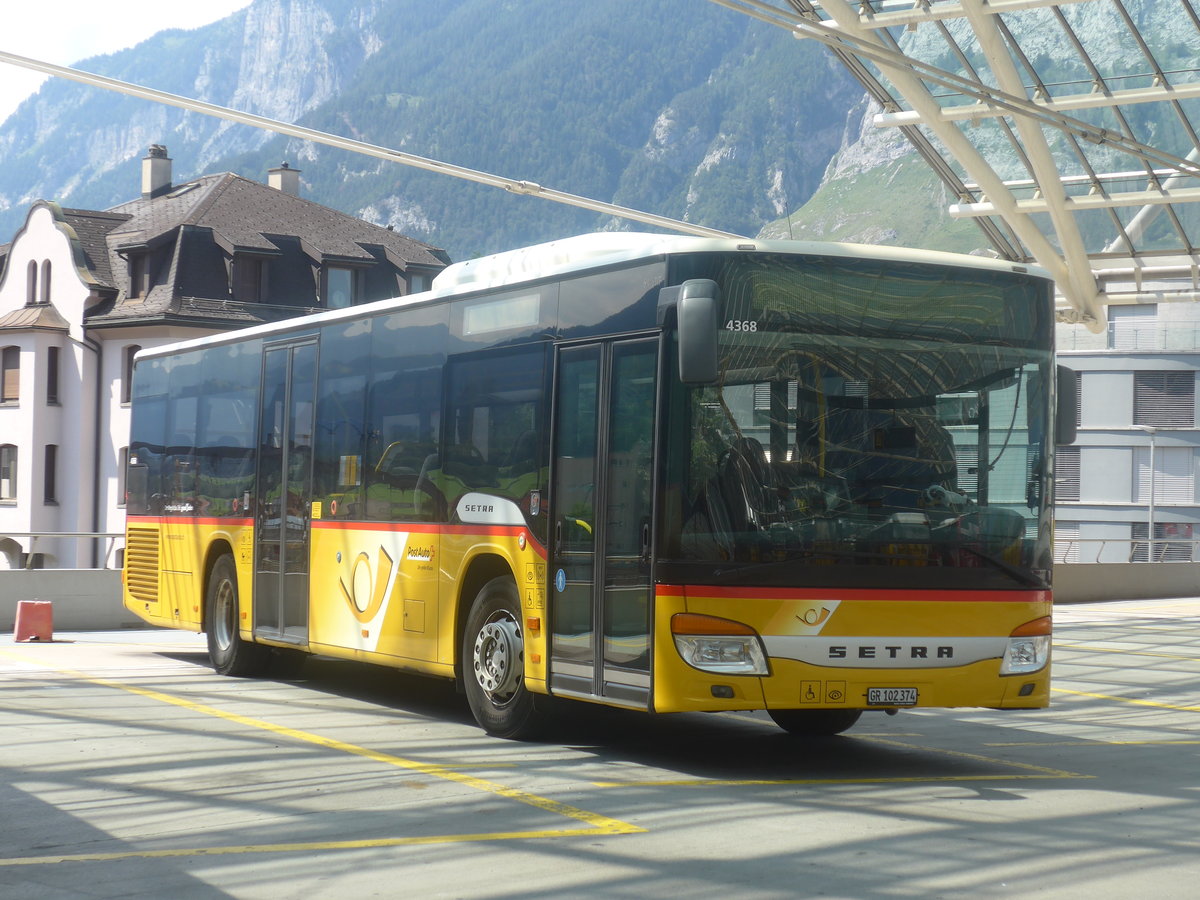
697	321
1067	408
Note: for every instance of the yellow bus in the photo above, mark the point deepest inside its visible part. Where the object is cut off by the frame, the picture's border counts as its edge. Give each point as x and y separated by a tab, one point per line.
660	473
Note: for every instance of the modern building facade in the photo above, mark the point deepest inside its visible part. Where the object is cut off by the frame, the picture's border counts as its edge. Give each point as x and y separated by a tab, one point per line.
1132	472
81	291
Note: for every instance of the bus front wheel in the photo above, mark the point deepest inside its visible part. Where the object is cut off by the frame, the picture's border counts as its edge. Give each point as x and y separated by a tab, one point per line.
229	654
814	722
493	655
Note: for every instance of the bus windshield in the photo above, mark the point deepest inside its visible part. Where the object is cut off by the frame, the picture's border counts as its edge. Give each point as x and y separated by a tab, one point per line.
872	425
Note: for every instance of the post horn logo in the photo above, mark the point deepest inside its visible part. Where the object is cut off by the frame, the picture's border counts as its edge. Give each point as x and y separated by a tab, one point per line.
365	595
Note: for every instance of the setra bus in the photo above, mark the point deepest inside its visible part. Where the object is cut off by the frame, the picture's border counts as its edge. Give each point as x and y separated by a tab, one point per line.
660	473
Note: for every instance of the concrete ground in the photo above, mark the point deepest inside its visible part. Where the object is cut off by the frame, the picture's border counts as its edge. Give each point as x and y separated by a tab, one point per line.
129	769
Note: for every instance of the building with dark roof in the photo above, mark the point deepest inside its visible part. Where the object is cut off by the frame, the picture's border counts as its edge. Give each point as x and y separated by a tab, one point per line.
81	291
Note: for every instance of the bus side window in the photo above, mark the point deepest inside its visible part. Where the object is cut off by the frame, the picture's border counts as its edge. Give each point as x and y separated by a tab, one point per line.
495	423
403	456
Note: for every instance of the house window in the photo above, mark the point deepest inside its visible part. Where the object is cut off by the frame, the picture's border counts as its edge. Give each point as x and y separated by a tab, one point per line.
8	472
1172	476
50	495
52	377
417	282
1164	399
45	295
10	380
139	274
340	288
247	279
127	373
122	467
1066	474
31	273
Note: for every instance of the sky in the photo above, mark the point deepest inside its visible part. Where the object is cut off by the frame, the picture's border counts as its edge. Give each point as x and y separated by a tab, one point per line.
67	31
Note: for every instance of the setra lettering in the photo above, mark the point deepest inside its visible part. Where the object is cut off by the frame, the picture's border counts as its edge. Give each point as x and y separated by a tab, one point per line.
891	651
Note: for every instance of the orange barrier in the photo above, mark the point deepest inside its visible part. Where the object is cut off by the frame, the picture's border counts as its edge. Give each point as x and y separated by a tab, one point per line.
35	621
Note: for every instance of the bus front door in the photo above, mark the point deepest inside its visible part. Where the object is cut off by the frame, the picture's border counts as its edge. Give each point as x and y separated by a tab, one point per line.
284	492
600	582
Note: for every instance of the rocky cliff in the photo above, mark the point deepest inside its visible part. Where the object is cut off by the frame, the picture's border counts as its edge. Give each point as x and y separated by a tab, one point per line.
681	108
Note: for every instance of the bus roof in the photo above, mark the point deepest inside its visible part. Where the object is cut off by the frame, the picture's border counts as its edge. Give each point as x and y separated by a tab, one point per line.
587	251
591	251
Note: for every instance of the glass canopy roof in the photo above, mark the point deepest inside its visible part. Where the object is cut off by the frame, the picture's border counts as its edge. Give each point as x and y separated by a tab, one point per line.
1067	130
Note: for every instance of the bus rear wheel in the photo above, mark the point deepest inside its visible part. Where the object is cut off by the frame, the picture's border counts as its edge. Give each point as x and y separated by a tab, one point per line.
229	654
814	722
493	656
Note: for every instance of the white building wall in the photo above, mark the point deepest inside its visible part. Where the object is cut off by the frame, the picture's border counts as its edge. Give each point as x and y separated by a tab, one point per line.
1106	399
34	423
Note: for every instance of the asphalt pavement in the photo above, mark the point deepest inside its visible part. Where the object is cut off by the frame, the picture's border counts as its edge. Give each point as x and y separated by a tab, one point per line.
129	769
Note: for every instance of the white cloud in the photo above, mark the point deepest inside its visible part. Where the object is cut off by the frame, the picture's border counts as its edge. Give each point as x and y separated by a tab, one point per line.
66	31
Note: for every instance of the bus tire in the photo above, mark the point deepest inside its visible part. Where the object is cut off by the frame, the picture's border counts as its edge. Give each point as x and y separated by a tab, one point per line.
229	654
493	660
814	722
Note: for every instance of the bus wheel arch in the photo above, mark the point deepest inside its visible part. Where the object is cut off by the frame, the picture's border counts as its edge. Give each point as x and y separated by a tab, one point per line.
493	662
228	652
216	550
479	572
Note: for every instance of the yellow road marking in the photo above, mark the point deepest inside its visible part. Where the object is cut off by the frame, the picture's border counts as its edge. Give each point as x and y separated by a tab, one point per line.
434	771
596	823
1152	703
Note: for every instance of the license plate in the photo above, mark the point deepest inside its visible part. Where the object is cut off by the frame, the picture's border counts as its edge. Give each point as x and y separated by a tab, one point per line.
897	696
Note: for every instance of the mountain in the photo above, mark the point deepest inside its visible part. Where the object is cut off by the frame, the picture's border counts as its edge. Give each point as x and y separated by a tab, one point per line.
675	107
878	190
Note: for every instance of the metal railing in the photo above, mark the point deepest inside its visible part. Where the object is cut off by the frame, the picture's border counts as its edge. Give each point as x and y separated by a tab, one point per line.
104	548
1178	337
1125	550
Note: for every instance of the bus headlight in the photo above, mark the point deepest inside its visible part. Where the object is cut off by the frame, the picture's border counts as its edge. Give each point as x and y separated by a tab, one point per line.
718	645
1028	648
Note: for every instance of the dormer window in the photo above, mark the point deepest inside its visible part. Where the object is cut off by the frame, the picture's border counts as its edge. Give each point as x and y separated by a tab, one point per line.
341	287
139	274
248	278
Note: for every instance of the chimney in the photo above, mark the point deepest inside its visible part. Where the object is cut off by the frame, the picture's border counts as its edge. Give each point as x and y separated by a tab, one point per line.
156	172
285	179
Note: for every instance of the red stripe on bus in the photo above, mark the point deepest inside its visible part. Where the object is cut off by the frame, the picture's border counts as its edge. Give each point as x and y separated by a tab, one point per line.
188	520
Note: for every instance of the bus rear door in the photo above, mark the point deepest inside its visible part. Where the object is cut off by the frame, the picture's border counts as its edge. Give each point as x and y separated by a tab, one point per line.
284	492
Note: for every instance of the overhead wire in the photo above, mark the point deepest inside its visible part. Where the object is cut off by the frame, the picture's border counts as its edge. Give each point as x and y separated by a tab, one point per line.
512	185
